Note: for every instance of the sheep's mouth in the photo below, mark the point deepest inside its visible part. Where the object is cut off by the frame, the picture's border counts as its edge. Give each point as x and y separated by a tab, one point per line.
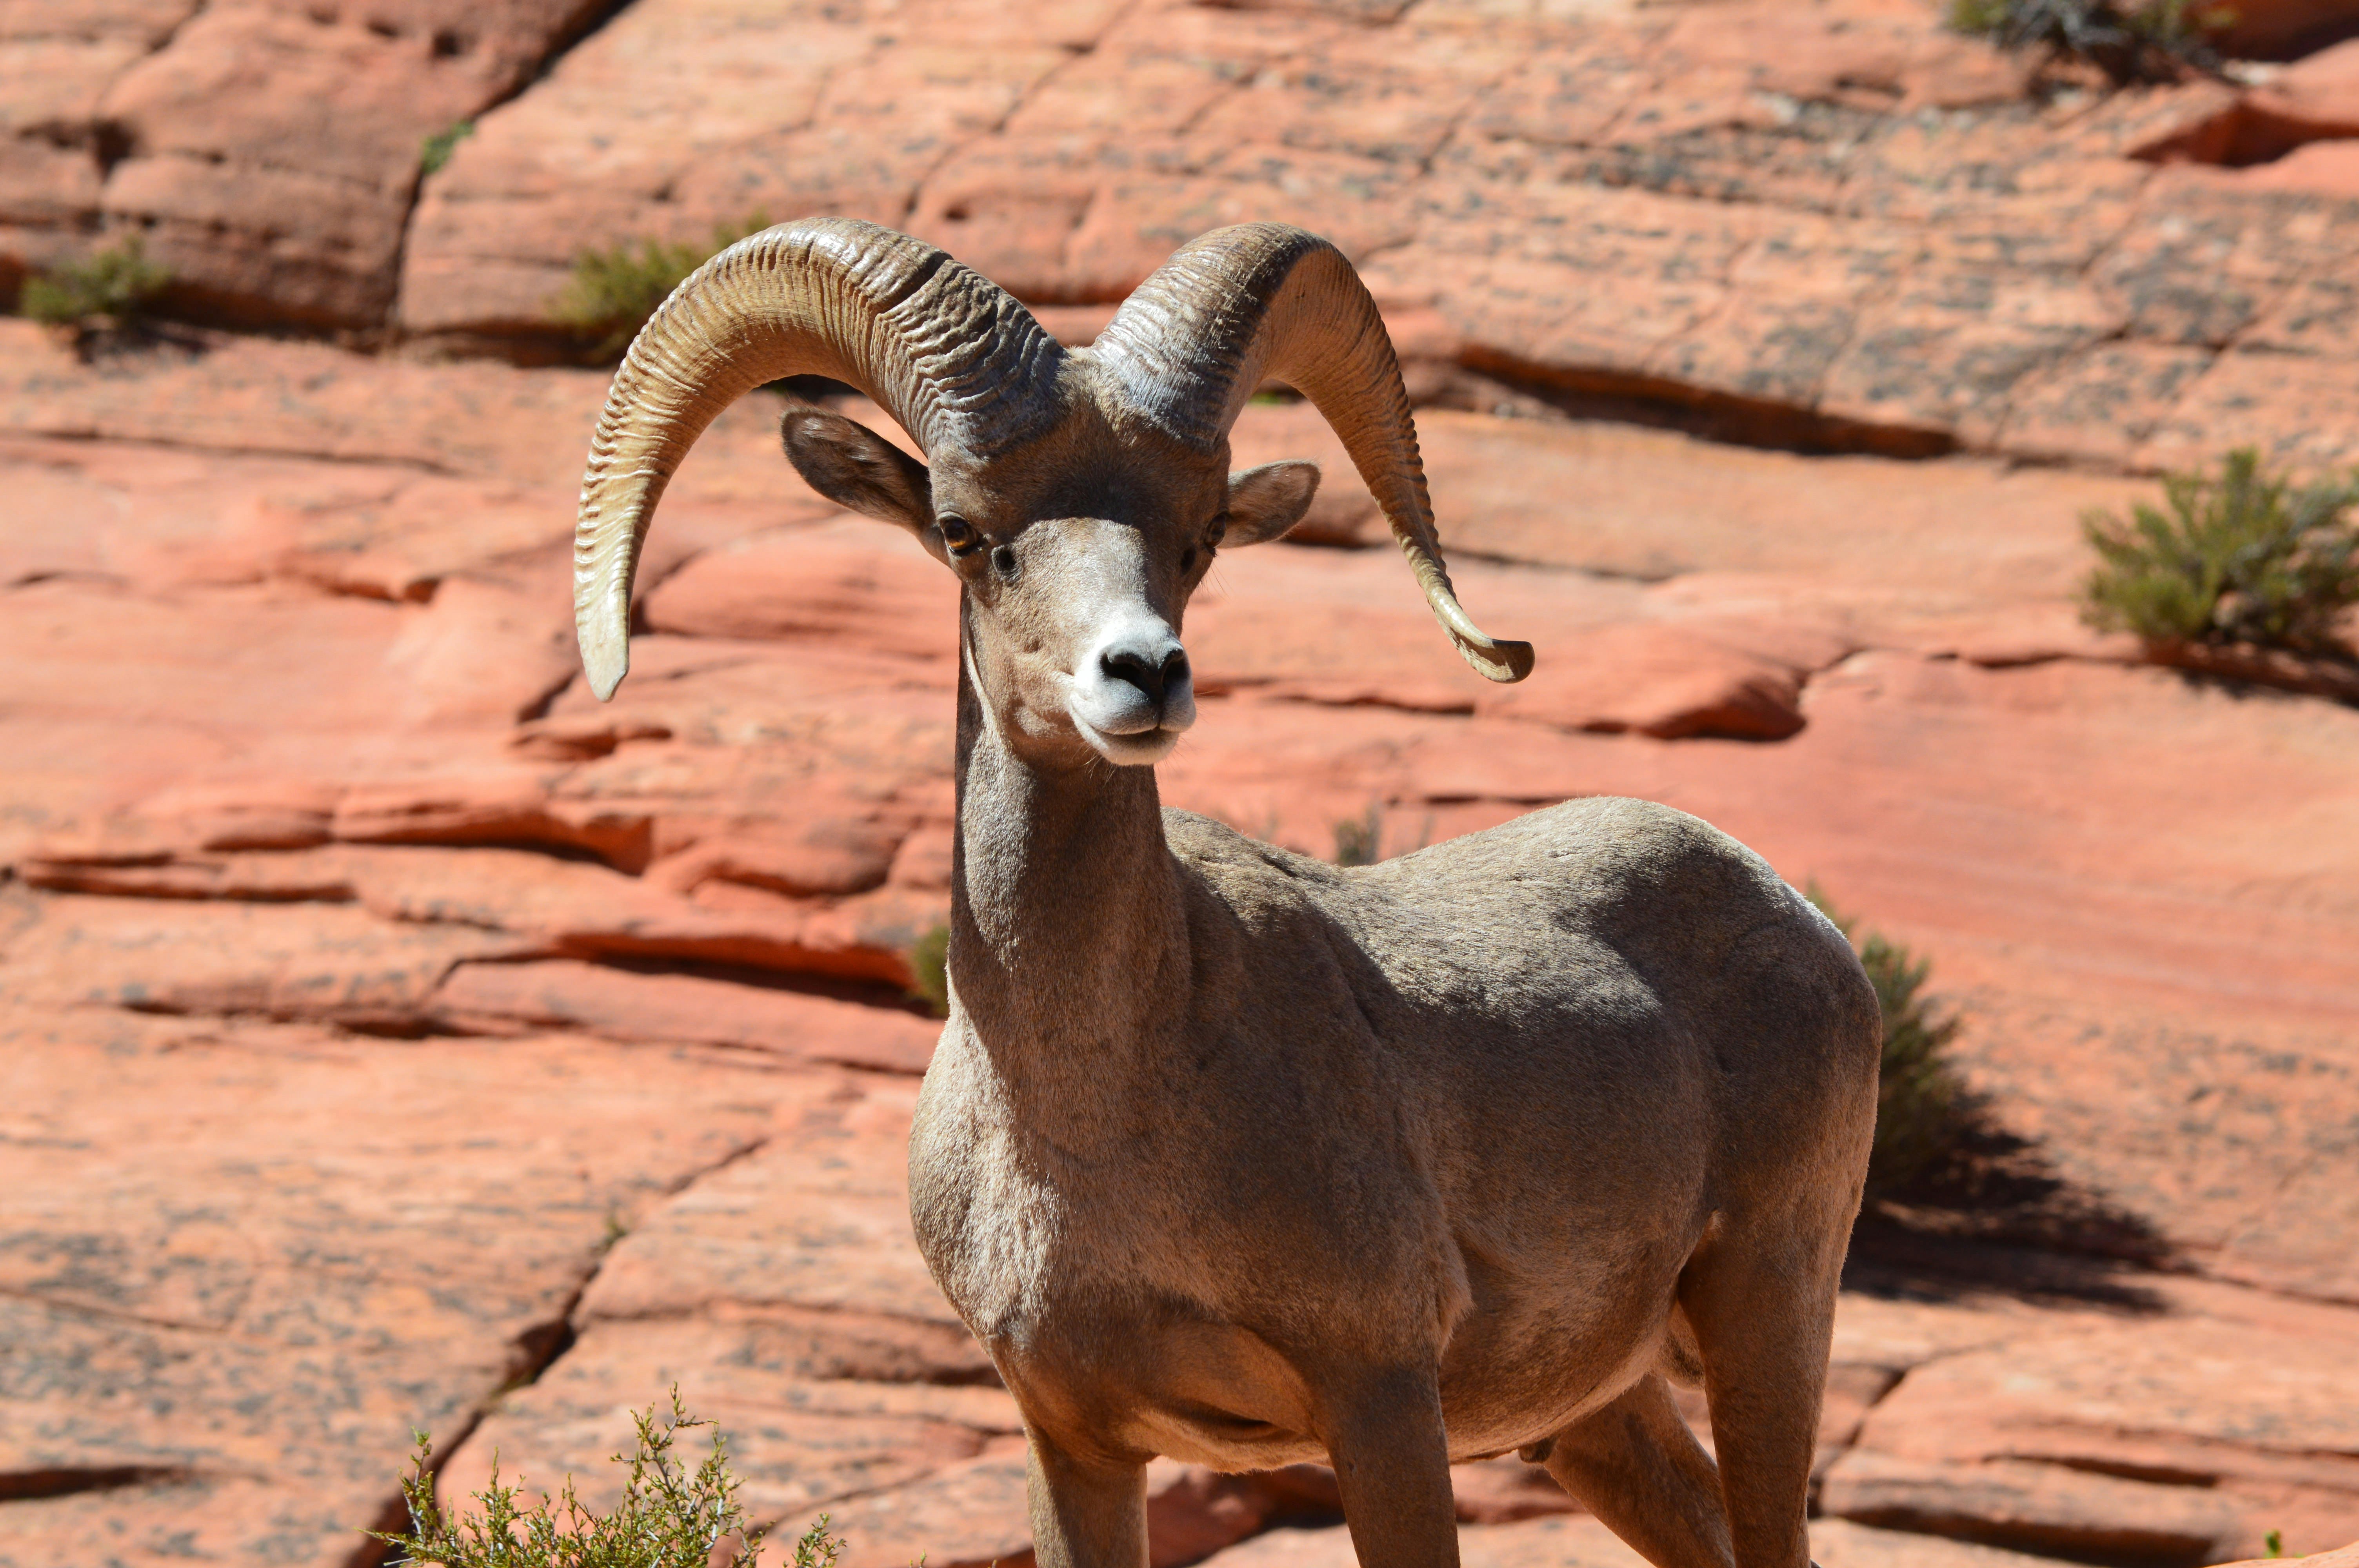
1139	749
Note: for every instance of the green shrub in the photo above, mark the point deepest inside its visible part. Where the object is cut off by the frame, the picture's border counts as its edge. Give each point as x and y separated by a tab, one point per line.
1359	842
2128	40
929	970
612	293
668	1518
1920	1104
437	149
107	288
2240	557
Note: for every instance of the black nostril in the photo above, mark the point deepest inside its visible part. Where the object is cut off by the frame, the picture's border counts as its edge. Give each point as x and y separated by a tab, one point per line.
1175	669
1134	669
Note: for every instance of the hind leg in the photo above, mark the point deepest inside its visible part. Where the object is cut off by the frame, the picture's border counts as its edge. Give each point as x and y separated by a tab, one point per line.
1637	1467
1762	1300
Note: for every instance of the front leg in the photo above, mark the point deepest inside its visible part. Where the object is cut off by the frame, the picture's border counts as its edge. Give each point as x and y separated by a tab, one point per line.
1383	1433
1085	1513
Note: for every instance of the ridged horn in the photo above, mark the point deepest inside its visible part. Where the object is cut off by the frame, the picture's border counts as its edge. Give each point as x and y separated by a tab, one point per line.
942	348
1263	301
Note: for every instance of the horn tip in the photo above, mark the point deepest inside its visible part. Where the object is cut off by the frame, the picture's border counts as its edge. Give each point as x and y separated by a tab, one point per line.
606	658
1499	660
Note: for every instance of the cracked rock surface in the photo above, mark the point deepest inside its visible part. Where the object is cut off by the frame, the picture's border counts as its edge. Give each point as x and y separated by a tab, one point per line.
1835	225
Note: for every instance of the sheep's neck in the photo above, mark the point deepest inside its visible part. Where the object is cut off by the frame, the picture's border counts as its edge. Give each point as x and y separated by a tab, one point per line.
1069	939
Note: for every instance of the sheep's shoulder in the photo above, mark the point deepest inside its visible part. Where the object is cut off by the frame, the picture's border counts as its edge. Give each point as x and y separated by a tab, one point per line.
1245	872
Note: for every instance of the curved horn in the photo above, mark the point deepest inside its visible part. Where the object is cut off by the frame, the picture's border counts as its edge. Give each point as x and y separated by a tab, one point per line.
1266	299
942	348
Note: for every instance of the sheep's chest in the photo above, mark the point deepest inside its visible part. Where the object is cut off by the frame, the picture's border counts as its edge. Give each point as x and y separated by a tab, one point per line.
1126	1299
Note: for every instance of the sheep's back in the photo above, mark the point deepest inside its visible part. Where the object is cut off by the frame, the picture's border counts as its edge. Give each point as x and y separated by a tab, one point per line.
1608	991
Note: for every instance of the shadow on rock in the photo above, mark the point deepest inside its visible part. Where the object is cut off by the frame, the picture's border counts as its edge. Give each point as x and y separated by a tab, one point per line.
1993	1214
137	343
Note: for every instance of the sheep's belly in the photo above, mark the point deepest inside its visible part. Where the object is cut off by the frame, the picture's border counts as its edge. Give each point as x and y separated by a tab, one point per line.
1186	1436
1220	1395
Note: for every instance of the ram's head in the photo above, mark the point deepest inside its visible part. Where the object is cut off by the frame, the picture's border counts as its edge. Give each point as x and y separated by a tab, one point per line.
1080	494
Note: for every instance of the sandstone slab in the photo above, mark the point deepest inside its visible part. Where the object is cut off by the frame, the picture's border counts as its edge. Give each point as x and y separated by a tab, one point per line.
2340	1557
222	1345
1846	227
617	1003
799	1443
1837	1543
274	151
2184	1439
818	1220
244	397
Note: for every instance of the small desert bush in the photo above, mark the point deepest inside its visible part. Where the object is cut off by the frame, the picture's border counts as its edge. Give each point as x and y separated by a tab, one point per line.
612	292
2241	556
436	150
108	289
2129	40
1920	1103
669	1516
929	971
1359	840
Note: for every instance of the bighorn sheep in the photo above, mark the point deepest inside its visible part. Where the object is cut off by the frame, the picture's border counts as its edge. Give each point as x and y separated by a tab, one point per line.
1228	1154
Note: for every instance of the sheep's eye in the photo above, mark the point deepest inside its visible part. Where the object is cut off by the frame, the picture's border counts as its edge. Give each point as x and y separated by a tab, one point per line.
1217	532
958	534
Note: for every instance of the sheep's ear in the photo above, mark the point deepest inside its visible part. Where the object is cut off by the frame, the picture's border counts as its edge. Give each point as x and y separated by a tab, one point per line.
1264	503
857	469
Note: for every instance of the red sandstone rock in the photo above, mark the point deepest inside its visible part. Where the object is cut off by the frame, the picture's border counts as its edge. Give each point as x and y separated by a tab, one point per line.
274	151
2278	28
56	59
1589	203
323	1243
972	1516
1503	1491
2318	168
2036	1508
814	1409
816	1219
620	1004
2342	1557
1660	682
335	965
1584	1543
2316	99
858	581
1840	1543
247	397
1277	115
2027	1445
